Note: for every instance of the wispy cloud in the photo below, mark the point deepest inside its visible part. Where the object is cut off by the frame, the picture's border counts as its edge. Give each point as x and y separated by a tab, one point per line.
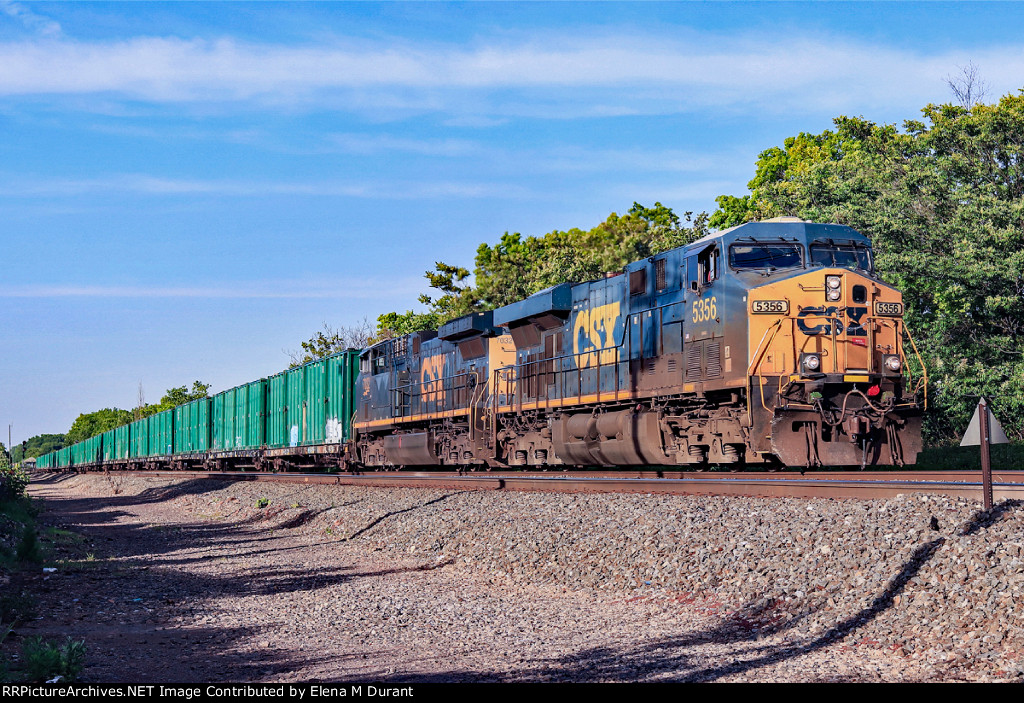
32	21
378	143
157	186
596	75
337	289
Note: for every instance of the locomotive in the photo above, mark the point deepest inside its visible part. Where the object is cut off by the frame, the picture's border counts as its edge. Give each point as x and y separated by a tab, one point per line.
772	342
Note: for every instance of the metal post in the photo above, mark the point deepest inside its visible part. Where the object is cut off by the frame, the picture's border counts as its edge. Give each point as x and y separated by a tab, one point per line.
986	463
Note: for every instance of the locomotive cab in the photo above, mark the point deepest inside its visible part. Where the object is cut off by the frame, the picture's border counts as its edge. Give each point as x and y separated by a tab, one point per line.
830	358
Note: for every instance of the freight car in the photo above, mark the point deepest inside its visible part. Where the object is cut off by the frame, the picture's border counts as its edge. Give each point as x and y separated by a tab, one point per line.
771	342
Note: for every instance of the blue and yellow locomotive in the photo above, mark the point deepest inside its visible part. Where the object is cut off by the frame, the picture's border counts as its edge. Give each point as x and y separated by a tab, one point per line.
771	342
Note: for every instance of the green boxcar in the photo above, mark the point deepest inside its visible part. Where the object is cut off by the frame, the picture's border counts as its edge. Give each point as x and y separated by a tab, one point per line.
224	420
138	439
313	403
83	452
295	405
239	417
160	428
121	443
192	427
314	415
342	370
109	445
252	417
277	410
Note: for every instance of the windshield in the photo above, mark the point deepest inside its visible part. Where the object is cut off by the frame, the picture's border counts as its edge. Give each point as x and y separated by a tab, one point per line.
764	256
847	256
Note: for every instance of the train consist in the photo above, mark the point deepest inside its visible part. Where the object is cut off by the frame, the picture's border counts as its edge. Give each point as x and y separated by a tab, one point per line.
771	342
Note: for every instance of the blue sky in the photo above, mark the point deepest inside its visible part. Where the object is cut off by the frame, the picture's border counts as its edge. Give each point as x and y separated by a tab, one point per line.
188	189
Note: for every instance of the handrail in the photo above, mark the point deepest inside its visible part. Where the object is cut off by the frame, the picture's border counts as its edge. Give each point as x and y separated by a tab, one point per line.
756	364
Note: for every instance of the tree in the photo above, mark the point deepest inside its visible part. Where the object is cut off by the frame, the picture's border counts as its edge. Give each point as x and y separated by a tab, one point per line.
91	424
331	341
943	202
39	445
968	88
181	395
516	267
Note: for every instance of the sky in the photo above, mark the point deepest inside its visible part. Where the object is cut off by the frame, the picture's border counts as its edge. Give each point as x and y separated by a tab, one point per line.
190	190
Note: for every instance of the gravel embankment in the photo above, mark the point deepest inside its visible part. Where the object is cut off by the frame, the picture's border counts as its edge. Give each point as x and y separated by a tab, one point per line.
913	588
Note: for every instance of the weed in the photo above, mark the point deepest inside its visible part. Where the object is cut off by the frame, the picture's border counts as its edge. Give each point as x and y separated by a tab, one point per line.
262	503
44	660
89	556
13	481
329	532
28	547
4	631
59	536
295	506
15	609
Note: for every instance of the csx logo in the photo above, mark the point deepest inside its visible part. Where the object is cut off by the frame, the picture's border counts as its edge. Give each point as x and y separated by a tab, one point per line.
594	329
432	375
831	316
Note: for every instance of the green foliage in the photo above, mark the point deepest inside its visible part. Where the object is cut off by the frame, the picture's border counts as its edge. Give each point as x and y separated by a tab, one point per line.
181	395
395	324
37	446
515	268
43	660
13	482
4	631
943	201
28	547
16	608
332	341
1005	457
262	503
91	424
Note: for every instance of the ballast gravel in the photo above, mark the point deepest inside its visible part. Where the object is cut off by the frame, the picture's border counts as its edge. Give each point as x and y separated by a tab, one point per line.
203	580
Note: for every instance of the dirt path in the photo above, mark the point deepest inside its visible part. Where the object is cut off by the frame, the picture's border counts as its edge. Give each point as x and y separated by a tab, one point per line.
163	591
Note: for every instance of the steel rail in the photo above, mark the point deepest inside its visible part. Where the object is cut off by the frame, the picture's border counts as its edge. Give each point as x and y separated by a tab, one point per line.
963	484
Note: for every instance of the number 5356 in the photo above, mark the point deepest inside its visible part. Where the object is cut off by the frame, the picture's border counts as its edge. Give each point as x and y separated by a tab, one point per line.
705	309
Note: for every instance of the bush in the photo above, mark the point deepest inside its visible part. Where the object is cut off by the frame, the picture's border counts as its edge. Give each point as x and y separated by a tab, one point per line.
28	547
13	482
44	660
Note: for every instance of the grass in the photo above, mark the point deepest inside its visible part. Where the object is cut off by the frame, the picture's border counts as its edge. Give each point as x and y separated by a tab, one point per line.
1004	457
42	660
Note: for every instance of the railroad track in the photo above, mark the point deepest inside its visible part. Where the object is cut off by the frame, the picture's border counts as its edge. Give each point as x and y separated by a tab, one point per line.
1007	485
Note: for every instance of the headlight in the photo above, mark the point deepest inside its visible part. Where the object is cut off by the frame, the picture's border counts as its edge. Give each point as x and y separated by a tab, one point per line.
832	281
893	363
811	362
833	294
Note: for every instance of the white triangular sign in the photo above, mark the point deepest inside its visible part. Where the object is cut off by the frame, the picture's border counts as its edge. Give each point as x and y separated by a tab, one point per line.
972	437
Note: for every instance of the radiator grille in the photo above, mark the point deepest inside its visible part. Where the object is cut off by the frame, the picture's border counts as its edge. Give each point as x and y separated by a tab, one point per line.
693	362
714	359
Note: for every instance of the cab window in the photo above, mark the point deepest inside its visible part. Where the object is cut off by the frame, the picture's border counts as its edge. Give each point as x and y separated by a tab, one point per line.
765	257
850	256
707	265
